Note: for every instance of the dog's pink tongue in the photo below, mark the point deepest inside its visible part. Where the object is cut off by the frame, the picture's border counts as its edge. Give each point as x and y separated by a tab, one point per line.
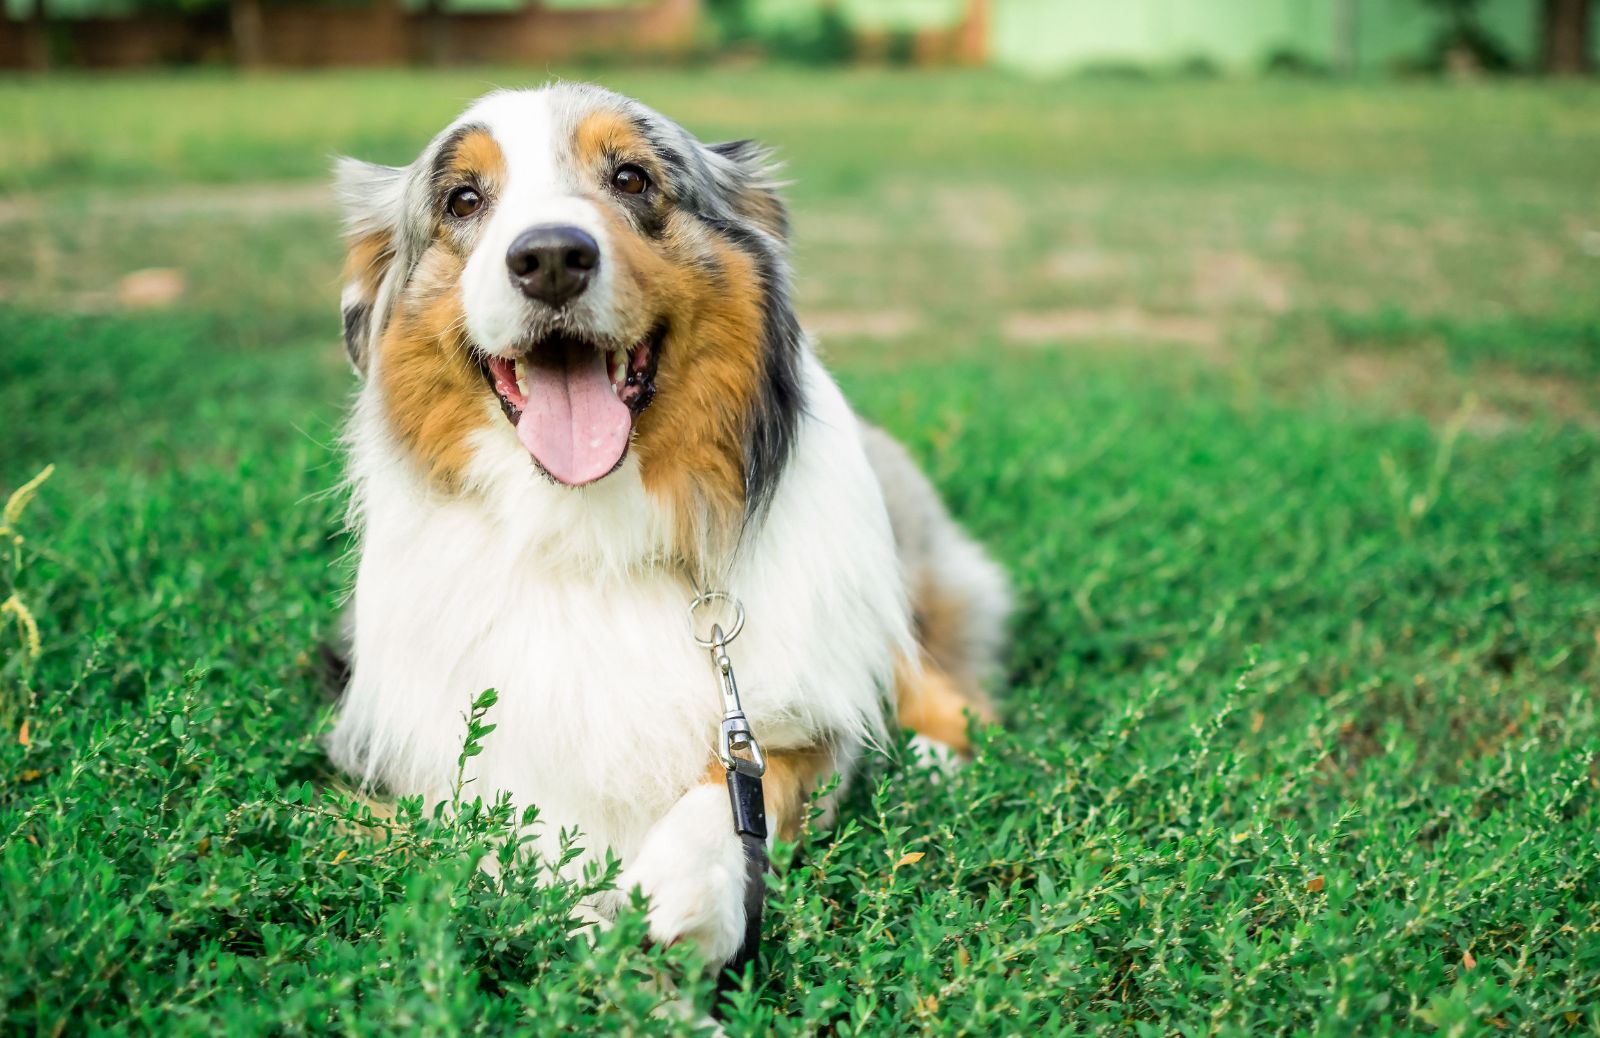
573	422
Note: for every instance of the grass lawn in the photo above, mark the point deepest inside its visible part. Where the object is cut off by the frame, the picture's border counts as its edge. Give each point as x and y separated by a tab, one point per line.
1281	402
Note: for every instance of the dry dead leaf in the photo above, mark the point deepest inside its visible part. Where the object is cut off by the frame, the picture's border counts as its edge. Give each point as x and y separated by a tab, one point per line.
31	774
962	958
1467	961
909	858
22	735
337	858
1315	884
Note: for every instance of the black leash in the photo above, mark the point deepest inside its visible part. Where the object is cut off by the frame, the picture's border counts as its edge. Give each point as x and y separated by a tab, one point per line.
750	822
741	755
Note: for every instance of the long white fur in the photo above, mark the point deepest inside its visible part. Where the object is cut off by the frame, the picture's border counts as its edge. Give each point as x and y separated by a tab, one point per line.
568	603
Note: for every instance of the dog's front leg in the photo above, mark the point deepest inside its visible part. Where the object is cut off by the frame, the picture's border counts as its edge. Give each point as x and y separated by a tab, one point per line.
691	865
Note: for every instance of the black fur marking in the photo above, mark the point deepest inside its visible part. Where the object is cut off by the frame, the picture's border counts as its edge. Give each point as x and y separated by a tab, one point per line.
441	174
774	419
669	157
769	438
652	221
648	212
355	333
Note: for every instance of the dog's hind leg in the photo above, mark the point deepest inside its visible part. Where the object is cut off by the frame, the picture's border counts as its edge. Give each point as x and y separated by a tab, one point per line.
930	703
959	600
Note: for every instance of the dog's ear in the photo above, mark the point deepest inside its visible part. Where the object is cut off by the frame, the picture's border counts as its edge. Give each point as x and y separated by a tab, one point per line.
373	200
747	173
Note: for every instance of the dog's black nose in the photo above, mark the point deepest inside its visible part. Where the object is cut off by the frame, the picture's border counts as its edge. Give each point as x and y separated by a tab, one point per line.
553	264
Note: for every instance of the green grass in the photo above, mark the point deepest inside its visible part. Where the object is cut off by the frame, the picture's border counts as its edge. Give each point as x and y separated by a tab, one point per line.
1279	402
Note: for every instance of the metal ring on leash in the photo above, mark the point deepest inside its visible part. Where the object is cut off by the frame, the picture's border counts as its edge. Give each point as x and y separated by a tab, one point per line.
706	597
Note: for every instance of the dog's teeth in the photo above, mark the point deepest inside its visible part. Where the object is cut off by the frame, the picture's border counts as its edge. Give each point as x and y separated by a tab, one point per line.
521	371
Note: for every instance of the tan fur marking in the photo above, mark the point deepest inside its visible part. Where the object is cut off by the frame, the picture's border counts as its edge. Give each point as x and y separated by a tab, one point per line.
605	134
693	445
690	441
791	777
930	703
432	392
478	155
942	624
367	260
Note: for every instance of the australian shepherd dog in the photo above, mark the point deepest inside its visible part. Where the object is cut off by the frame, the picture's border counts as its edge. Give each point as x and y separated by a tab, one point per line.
585	394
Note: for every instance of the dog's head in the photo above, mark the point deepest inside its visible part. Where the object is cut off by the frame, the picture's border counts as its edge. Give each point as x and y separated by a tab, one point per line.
569	269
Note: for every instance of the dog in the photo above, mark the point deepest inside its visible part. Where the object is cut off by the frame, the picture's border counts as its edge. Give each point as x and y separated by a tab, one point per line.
584	394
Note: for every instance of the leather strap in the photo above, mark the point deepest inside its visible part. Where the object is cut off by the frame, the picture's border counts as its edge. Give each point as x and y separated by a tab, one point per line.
750	822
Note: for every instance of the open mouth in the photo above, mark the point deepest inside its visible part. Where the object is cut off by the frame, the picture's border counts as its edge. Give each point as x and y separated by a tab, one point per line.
573	401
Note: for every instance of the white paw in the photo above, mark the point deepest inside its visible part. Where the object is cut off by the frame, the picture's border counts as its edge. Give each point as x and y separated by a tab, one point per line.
934	754
692	869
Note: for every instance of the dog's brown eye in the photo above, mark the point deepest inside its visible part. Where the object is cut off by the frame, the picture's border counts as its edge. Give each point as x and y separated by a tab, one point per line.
464	201
630	180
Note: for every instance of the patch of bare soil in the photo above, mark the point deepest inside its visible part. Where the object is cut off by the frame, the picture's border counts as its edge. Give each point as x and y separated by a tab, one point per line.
1231	280
1124	324
1524	395
1498	399
860	324
1083	263
838	228
978	215
155	288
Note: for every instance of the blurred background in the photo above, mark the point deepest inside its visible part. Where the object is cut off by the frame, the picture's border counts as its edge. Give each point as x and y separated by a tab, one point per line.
1383	204
1041	36
1257	337
1390	196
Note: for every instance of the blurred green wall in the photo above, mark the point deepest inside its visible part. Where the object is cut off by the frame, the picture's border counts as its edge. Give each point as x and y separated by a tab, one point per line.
1059	35
1050	35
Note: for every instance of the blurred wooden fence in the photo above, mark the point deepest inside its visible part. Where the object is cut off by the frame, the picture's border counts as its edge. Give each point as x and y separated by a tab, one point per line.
297	34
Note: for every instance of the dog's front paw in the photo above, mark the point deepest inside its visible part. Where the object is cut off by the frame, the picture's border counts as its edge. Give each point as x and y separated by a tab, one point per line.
692	869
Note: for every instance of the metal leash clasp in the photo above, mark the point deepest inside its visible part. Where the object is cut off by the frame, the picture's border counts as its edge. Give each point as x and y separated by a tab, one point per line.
741	756
736	745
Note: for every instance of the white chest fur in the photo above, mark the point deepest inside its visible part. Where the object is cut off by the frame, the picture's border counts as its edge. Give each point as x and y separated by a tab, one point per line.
565	602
